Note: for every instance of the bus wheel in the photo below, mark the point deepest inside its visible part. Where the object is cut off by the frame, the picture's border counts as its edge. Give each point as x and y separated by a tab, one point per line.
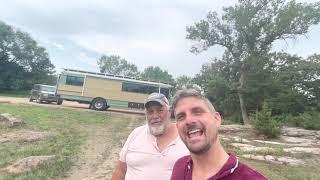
99	104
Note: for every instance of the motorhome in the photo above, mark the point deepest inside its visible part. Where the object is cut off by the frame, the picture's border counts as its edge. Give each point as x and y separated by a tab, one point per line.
101	90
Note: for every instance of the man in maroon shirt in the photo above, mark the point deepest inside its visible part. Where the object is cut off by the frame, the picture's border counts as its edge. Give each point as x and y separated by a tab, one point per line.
198	124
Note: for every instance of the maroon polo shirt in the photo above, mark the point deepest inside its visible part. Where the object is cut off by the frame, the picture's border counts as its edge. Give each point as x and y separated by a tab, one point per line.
231	170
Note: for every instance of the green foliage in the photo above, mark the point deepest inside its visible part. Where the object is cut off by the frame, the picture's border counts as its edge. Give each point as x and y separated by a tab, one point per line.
308	120
266	124
247	32
22	61
155	73
183	82
118	66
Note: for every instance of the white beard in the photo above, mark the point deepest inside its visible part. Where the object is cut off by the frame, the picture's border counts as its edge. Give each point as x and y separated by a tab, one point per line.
157	130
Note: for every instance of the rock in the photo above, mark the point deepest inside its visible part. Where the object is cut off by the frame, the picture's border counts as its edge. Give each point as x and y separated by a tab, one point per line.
302	150
298	141
269	142
248	147
240	140
255	157
23	136
11	121
275	160
304	144
224	138
298	132
233	128
28	164
290	161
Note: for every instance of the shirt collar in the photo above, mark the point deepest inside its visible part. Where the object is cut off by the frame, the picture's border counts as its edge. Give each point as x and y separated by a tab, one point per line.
228	168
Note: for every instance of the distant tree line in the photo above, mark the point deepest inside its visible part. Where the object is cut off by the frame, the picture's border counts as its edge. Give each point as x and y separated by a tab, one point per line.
22	61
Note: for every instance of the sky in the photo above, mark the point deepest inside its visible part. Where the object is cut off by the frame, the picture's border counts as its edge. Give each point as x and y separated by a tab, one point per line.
76	33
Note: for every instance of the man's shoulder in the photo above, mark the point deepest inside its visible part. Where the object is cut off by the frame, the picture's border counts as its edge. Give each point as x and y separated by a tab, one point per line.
247	172
140	129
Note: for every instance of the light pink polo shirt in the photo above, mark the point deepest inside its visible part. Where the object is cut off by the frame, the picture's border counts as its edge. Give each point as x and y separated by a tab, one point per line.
143	159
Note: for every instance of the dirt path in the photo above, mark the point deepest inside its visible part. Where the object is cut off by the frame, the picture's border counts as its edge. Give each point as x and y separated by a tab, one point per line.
98	155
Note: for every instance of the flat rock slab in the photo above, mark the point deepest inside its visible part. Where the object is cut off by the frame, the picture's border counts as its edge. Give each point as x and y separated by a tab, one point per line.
9	120
275	160
302	150
248	147
234	128
298	132
24	136
28	164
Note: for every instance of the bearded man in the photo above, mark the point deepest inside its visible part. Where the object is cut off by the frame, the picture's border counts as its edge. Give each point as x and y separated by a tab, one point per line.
151	150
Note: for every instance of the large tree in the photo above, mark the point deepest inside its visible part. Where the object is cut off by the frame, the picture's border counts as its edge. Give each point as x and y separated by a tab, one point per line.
23	61
118	66
155	73
247	31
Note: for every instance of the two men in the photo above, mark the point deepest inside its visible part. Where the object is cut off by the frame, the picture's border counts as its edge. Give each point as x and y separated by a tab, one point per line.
198	124
151	150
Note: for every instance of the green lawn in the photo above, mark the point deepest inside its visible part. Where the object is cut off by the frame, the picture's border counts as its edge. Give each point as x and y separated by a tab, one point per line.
67	127
25	93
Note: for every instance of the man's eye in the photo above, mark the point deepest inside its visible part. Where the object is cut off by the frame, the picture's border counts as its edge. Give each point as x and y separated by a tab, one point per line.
198	112
180	117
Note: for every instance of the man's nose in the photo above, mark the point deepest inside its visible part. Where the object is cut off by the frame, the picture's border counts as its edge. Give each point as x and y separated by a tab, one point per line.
190	119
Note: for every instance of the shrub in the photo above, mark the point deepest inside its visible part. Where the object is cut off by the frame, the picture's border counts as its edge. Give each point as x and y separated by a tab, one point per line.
266	124
308	120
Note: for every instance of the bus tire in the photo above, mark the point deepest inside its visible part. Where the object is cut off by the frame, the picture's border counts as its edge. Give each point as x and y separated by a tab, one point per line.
99	104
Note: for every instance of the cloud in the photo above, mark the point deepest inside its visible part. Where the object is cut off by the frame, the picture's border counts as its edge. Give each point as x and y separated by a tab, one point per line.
58	46
83	57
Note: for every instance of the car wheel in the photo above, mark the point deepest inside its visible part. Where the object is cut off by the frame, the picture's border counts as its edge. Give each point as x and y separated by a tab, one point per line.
99	104
30	99
39	100
59	101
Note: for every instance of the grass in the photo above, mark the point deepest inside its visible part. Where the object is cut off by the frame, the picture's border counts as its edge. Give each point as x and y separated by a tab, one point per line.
68	127
24	93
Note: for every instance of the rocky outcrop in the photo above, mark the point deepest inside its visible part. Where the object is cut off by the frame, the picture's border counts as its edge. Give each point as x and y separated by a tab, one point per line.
298	132
28	164
23	136
275	160
9	120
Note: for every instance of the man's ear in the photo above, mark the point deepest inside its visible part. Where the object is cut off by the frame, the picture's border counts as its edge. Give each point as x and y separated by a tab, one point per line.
218	118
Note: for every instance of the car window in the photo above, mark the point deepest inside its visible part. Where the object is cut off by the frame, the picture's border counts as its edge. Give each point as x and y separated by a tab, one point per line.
48	88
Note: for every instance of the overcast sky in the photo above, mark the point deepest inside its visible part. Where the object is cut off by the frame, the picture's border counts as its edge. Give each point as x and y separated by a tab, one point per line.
145	32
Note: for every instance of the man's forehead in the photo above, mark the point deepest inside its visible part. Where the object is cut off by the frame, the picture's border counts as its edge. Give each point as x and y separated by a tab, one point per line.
192	105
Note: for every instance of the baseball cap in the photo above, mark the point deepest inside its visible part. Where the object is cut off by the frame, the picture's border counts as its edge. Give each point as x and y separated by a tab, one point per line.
157	97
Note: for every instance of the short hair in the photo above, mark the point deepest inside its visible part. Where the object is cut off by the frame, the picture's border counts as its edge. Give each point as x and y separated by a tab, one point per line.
190	93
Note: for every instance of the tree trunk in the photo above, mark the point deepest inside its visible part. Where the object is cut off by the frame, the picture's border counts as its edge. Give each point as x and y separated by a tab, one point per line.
245	117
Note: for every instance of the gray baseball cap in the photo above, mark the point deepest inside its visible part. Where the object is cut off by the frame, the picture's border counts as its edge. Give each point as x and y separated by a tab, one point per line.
157	97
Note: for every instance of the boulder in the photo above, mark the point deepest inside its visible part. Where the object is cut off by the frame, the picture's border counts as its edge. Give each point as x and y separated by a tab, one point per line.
248	147
28	164
11	121
275	160
234	128
23	136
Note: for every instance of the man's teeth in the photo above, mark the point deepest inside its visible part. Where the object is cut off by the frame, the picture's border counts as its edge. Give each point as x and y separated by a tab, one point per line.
194	131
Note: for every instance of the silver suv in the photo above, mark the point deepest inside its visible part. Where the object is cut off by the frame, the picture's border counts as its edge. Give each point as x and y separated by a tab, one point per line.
44	93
